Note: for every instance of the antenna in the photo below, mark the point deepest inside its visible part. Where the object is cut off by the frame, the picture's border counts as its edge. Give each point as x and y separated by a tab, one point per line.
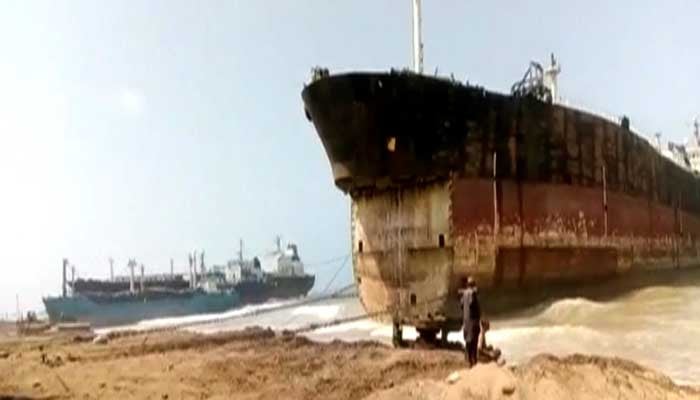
550	76
658	140
417	40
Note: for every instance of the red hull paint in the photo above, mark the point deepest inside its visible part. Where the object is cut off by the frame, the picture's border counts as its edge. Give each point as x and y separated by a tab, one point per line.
556	232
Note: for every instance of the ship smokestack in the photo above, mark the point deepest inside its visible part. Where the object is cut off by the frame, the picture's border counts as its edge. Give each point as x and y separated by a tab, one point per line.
417	40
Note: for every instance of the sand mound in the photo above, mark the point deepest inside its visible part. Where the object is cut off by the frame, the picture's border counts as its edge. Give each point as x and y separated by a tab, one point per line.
258	363
547	377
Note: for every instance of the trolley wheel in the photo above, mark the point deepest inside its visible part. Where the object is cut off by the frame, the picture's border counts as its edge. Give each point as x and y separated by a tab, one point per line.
428	335
443	337
397	335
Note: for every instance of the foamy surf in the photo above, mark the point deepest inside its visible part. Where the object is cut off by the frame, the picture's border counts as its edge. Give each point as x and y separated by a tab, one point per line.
364	325
509	335
572	311
322	312
196	319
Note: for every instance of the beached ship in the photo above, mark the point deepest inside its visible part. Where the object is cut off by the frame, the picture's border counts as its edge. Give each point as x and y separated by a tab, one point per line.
517	190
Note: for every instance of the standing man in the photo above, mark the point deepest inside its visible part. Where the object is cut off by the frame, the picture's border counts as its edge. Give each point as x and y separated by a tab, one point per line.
471	317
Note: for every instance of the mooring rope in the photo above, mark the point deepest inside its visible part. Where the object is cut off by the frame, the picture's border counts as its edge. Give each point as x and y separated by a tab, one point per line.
326	262
386	311
324	291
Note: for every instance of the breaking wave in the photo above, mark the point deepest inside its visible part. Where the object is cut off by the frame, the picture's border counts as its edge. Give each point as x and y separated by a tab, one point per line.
540	332
364	325
322	312
572	311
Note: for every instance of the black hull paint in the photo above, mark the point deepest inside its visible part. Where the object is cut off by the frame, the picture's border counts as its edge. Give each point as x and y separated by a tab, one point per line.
274	287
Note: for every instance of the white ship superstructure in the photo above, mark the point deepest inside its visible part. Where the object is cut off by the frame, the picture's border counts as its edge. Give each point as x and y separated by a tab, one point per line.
693	147
284	262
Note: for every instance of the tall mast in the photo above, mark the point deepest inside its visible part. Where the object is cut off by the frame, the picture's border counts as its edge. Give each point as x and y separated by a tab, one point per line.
131	265
64	291
194	264
111	269
143	287
189	256
417	40
550	76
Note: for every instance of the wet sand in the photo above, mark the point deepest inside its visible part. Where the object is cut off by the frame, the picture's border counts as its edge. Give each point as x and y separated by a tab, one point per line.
257	363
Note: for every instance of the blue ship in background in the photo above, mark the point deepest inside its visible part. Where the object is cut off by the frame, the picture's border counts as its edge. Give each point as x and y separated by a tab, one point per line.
127	299
124	309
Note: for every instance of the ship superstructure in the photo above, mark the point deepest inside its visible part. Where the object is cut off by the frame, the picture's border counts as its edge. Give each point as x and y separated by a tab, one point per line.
280	275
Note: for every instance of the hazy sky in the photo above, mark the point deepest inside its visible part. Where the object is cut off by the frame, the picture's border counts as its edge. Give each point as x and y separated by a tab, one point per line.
149	128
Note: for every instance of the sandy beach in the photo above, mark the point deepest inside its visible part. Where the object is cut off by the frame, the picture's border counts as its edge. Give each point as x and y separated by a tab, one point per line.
258	363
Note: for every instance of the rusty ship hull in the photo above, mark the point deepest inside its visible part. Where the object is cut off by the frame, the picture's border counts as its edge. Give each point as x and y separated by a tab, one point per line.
449	180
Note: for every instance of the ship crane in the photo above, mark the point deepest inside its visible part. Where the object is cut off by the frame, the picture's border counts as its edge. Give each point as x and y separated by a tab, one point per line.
539	82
